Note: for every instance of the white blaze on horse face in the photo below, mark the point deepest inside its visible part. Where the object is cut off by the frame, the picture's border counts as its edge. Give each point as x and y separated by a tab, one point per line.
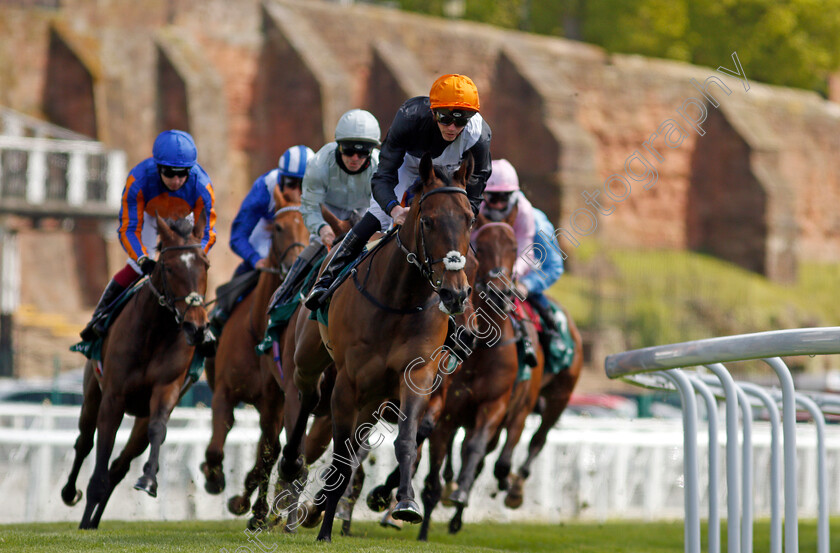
187	258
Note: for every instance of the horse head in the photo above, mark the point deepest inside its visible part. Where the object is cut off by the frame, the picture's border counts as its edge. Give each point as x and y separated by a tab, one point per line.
180	277
288	234
440	220
495	246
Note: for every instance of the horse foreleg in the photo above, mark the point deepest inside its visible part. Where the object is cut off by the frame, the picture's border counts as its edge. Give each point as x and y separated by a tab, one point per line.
223	420
164	399
269	450
137	443
344	448
84	443
108	420
474	448
348	501
413	407
432	489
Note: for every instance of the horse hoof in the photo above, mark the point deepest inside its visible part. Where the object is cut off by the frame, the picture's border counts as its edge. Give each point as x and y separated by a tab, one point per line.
459	498
71	496
255	523
214	479
146	484
407	510
238	505
448	490
325	539
379	499
455	525
513	501
389	522
514	497
314	515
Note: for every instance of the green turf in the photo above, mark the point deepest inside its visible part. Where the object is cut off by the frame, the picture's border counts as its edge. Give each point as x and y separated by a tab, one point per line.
214	537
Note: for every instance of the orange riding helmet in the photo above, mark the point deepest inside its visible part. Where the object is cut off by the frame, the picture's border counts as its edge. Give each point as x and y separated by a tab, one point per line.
454	91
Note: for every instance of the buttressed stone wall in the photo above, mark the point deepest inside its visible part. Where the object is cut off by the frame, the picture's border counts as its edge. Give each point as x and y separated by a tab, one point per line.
753	180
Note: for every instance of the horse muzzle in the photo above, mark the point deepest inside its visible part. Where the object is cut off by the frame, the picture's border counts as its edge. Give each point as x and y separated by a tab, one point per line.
194	332
453	302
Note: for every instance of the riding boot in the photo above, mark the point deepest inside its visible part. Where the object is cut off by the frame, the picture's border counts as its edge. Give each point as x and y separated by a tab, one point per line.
347	251
529	354
297	271
96	327
547	316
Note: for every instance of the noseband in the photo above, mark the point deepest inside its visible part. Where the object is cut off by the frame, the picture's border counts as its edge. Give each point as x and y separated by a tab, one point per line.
166	299
453	261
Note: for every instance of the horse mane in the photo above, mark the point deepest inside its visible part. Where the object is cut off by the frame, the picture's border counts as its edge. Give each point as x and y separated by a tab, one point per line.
182	227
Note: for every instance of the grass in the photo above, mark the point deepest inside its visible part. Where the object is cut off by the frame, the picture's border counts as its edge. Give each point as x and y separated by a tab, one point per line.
213	537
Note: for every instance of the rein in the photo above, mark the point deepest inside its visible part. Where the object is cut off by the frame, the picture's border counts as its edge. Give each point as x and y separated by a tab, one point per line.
283	270
453	261
165	299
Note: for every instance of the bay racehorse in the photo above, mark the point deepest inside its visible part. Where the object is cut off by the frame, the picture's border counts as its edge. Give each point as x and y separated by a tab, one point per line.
237	374
555	391
386	334
480	391
145	358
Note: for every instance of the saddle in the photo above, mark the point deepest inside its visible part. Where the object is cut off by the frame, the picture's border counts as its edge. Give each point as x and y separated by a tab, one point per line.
233	291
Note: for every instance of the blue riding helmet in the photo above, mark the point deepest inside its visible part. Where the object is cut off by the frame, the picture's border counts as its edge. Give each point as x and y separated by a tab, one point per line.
174	149
293	161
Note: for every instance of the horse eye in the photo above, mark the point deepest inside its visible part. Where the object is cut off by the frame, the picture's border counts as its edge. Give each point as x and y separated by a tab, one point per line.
472	222
427	222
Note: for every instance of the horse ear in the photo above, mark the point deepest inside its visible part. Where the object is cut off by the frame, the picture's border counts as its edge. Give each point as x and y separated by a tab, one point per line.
163	229
198	226
427	170
279	198
465	171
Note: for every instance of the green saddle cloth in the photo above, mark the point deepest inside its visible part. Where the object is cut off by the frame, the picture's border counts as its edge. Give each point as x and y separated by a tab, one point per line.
279	316
561	350
93	349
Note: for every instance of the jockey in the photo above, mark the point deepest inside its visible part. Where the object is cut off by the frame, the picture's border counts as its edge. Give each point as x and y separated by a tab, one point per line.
539	263
250	232
170	184
446	124
338	178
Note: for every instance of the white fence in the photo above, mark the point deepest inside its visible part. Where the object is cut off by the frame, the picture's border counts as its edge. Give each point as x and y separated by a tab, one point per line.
661	367
590	469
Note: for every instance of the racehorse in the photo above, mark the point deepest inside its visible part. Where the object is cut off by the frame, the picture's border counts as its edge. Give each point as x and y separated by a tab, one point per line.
555	390
420	267
237	374
480	391
145	358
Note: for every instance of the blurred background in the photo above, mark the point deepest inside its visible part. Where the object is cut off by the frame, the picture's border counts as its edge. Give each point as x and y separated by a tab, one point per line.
740	232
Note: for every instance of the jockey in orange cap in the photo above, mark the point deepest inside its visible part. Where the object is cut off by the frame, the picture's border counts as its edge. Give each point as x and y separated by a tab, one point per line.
446	124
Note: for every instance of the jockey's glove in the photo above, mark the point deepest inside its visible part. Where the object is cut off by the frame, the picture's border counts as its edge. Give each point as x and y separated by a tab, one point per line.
147	265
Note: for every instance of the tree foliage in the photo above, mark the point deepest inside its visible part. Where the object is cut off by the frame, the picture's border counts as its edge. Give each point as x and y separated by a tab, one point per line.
786	42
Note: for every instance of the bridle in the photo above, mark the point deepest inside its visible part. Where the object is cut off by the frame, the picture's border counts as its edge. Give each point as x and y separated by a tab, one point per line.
283	269
482	282
166	299
453	261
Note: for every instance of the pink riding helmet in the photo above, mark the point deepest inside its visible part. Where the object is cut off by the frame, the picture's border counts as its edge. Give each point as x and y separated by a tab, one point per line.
503	178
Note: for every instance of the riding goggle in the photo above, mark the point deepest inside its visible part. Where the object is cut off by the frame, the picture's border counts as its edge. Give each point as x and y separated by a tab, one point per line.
447	116
290	182
350	149
497	197
170	172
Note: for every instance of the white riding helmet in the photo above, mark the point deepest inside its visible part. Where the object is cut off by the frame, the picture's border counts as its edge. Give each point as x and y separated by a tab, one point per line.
358	125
